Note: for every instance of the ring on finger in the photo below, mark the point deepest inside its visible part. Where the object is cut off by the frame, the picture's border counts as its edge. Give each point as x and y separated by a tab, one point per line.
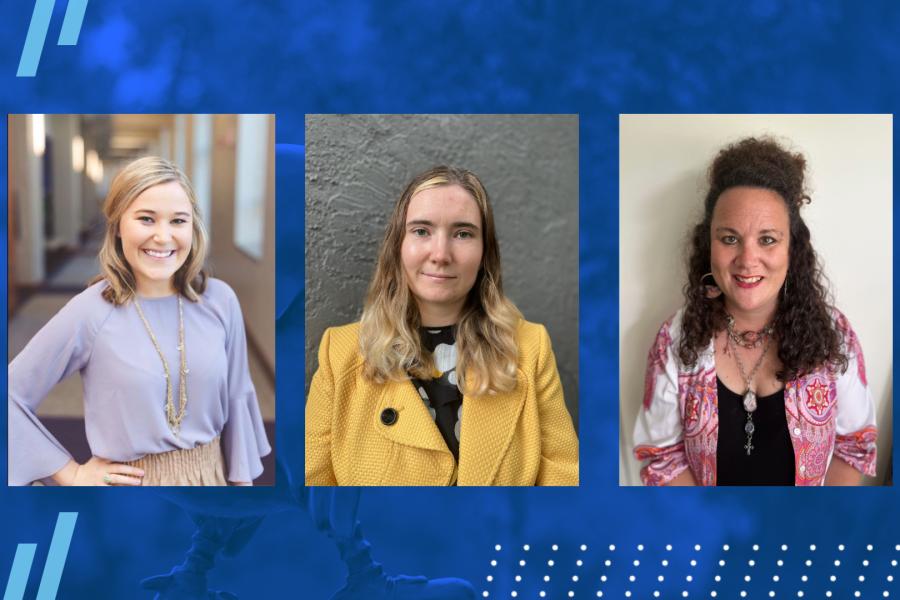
107	479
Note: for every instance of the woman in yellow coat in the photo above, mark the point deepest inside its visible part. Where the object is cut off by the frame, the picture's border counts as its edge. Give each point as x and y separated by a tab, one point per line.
442	382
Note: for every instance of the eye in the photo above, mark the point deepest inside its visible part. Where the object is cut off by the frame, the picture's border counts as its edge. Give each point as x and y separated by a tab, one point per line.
465	234
145	219
179	221
729	240
767	240
419	231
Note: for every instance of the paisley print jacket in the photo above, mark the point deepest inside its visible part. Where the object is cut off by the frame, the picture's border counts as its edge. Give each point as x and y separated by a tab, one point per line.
828	414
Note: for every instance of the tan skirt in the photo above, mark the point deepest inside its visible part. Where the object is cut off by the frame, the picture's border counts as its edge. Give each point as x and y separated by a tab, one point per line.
201	465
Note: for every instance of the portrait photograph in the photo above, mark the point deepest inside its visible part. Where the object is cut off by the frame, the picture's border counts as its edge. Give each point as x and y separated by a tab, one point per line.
442	300
755	299
141	291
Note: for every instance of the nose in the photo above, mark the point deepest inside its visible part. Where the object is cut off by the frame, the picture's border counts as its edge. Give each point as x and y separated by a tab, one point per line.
440	249
161	233
748	255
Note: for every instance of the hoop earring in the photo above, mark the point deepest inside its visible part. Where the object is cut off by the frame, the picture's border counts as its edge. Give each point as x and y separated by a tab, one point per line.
710	290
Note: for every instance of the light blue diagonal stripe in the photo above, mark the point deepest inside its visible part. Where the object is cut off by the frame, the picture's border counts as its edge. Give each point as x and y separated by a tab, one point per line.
18	576
71	27
34	39
56	556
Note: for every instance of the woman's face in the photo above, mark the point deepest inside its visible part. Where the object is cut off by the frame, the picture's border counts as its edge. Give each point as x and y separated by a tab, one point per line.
750	250
156	233
441	251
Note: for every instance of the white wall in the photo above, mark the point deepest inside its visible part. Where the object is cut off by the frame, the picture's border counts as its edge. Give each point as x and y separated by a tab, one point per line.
253	279
662	174
29	193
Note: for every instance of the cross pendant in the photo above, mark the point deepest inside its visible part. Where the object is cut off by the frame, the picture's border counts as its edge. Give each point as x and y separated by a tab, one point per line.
748	447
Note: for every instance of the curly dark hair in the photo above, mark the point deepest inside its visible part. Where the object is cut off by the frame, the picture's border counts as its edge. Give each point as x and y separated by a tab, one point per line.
804	326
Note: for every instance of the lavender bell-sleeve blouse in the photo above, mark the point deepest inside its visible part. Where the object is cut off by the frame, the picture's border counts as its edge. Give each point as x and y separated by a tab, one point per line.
125	386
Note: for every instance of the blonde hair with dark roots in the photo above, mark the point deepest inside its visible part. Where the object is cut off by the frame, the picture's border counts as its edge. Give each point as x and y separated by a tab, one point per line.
138	176
486	332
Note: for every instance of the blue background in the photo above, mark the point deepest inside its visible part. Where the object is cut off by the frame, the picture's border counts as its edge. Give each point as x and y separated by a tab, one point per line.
594	59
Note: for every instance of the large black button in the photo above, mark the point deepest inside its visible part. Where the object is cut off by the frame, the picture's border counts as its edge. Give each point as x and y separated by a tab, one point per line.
389	416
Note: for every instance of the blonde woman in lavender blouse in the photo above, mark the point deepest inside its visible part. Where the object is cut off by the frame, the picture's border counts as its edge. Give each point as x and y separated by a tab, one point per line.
161	350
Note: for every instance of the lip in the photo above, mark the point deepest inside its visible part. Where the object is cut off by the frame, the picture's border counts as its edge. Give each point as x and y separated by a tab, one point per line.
438	276
741	281
171	253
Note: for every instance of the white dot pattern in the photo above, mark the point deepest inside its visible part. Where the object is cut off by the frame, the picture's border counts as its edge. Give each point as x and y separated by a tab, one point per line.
700	570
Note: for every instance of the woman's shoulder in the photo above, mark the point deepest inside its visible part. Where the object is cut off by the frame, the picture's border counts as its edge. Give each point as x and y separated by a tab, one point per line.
532	339
671	327
83	316
343	338
218	291
849	339
220	299
340	346
89	305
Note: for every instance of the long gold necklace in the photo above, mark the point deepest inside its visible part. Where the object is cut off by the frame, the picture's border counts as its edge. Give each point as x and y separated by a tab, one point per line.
172	417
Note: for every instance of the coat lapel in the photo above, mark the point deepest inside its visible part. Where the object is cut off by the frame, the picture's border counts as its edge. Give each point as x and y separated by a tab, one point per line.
488	426
414	425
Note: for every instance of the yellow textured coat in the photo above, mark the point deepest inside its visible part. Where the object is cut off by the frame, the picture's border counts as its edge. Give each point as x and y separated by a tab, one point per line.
524	437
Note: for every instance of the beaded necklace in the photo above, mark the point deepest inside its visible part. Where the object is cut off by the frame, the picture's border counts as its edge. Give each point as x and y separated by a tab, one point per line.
172	417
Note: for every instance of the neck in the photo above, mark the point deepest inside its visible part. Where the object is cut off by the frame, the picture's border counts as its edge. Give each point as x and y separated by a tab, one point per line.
439	315
751	320
154	289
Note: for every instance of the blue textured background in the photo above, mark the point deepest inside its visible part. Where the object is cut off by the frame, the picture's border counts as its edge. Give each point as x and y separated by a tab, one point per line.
595	59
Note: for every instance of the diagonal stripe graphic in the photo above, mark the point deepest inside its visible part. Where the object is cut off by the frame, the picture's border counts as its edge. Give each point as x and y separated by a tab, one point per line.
18	575
34	39
56	557
71	27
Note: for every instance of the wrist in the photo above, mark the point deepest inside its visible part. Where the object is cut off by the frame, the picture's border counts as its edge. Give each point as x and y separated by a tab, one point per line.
67	475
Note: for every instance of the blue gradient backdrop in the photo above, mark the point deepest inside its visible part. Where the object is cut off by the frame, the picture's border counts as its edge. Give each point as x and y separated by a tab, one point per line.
595	59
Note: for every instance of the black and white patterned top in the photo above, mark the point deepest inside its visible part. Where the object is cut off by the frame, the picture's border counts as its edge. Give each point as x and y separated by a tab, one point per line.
440	394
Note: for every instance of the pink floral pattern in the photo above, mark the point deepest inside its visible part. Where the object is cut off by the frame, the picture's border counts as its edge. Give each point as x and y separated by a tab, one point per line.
851	342
858	449
811	406
665	463
656	361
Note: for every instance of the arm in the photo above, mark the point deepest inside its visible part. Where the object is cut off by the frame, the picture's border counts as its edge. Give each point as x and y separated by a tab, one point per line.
856	433
97	471
244	435
658	430
60	348
683	479
319	470
559	442
840	473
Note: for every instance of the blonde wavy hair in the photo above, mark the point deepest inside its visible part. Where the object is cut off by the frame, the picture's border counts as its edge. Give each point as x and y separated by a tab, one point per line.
486	332
138	176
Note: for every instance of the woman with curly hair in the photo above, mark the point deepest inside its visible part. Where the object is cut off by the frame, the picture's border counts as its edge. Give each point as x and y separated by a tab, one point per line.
442	382
757	380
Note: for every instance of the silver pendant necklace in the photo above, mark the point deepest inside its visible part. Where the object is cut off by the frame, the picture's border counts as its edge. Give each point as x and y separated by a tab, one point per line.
750	404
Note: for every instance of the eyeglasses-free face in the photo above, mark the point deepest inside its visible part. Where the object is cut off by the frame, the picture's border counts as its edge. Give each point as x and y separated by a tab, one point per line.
749	255
441	251
156	234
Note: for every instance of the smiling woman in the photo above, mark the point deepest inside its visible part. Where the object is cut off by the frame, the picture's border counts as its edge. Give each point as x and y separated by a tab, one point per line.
442	382
161	349
155	232
758	380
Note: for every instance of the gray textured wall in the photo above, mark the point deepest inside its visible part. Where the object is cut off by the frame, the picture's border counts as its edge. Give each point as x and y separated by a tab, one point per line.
357	166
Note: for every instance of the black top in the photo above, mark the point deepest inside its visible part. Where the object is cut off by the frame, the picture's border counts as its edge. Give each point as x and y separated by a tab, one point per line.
440	394
771	461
